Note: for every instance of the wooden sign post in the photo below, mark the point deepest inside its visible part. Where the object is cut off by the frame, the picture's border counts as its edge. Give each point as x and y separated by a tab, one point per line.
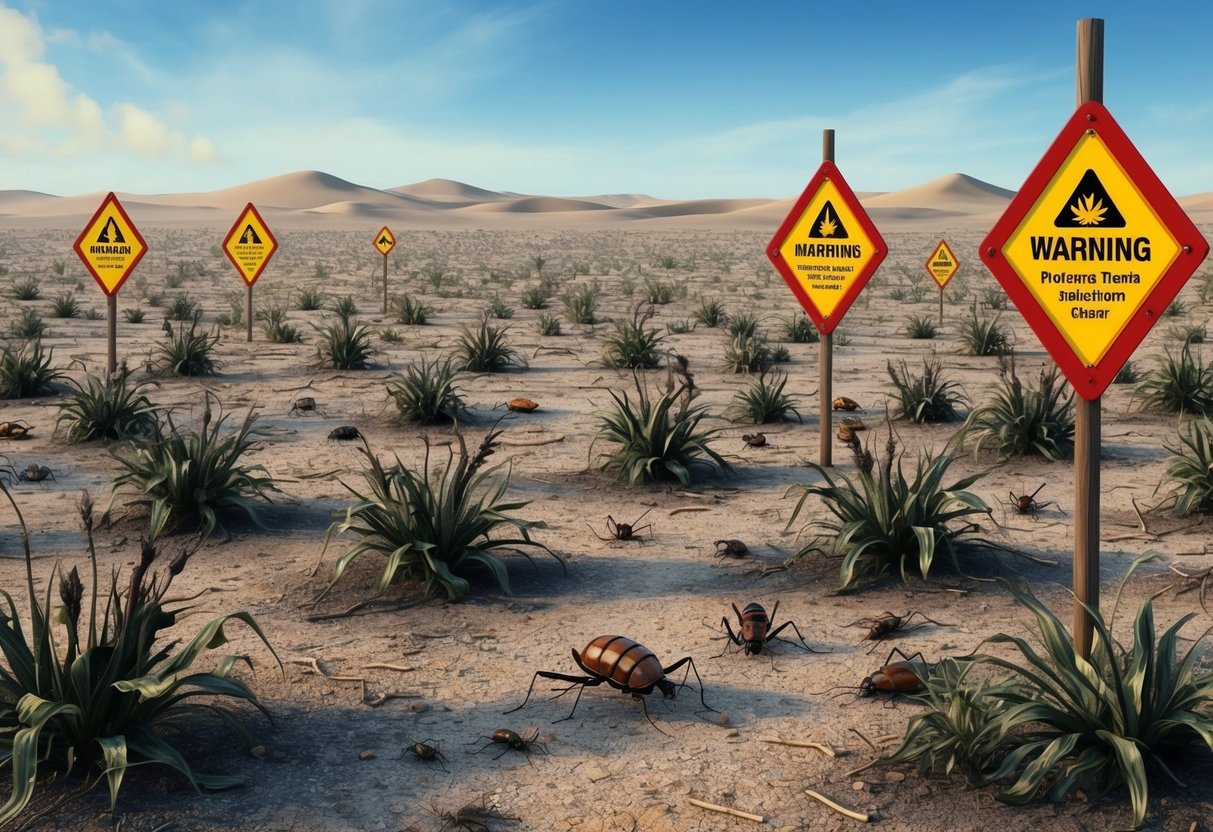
385	241
249	245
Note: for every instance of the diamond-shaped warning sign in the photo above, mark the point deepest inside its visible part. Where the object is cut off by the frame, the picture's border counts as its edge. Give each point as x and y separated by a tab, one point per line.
250	245
827	249
110	246
942	265
1092	249
385	241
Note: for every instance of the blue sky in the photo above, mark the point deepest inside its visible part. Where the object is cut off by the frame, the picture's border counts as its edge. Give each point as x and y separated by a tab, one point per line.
676	99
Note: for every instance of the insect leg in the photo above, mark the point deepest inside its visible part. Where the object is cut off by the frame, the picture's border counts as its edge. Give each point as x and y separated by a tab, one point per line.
790	623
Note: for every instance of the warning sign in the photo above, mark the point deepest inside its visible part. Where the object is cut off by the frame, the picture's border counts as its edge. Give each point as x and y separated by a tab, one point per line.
827	248
1092	249
110	246
385	241
942	265
250	245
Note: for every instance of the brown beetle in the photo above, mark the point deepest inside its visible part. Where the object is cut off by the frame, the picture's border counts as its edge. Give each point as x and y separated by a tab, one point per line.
303	404
344	433
522	405
425	750
880	627
755	629
1026	503
35	473
843	403
623	531
896	677
513	740
625	665
14	430
731	548
754	440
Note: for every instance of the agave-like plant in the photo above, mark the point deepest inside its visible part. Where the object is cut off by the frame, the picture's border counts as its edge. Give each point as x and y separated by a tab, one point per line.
985	335
98	700
885	522
925	398
1190	468
1182	384
426	392
764	401
344	344
26	370
435	526
487	351
632	345
108	408
187	352
1020	419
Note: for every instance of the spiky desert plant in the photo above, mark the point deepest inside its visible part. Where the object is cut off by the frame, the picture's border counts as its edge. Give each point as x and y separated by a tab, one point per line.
1127	374
884	522
710	312
743	324
134	315
100	700
763	401
390	335
410	311
498	309
548	325
310	300
924	398
436	526
193	475
108	408
28	324
426	392
1057	721
536	297
1019	419
187	352
657	438
486	350
633	345
276	327
920	327
984	335
658	293
25	370
28	289
345	308
799	329
344	344
1190	333
747	354
65	305
1190	468
1178	385
581	304
183	308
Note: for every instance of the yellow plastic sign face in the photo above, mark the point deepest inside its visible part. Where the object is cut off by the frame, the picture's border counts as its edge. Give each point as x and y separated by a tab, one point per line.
1091	249
385	241
110	245
942	264
250	245
827	249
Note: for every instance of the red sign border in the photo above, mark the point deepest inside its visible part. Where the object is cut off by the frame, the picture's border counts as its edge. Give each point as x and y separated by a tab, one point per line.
931	257
827	171
1091	381
375	242
273	248
111	197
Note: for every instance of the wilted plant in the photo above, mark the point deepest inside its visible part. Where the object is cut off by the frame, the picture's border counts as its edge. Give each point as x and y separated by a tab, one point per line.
344	344
275	326
108	408
747	354
885	522
925	398
29	324
310	300
436	526
65	305
1178	385
710	312
183	308
741	325
426	393
799	329
27	289
680	327
1190	468
411	312
920	327
193	475
984	335
658	438
581	304
1020	420
187	352
486	350
100	700
26	370
548	325
763	401
632	345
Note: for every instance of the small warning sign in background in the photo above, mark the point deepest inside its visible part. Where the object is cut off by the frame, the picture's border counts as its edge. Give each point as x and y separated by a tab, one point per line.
250	245
385	241
942	265
110	246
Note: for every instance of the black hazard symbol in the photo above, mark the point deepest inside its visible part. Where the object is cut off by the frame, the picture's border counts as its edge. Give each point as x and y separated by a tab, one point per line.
249	237
384	241
943	258
1090	206
111	233
827	224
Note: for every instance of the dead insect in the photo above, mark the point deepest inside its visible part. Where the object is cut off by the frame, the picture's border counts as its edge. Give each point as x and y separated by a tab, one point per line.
35	473
513	740
879	627
425	750
755	629
14	430
521	405
625	665
623	531
731	548
893	677
843	403
1026	503
470	818
754	440
344	433
303	404
848	428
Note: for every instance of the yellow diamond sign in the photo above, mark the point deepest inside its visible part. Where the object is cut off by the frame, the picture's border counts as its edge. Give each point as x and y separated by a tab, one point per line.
110	246
250	245
385	241
942	264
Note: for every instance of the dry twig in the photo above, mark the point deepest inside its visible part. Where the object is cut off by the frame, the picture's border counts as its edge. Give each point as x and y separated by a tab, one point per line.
863	817
725	810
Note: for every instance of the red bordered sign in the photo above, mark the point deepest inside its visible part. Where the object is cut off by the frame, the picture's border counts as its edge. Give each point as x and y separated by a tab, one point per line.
110	246
250	245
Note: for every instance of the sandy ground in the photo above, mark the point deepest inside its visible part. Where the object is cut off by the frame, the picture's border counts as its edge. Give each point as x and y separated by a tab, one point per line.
333	762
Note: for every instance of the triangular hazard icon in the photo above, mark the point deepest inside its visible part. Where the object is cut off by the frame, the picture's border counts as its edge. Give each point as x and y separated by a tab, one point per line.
1090	206
827	224
942	258
249	237
111	233
384	241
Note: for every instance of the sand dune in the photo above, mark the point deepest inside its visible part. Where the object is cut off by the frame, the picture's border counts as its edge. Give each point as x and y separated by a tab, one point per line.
954	192
538	205
448	190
